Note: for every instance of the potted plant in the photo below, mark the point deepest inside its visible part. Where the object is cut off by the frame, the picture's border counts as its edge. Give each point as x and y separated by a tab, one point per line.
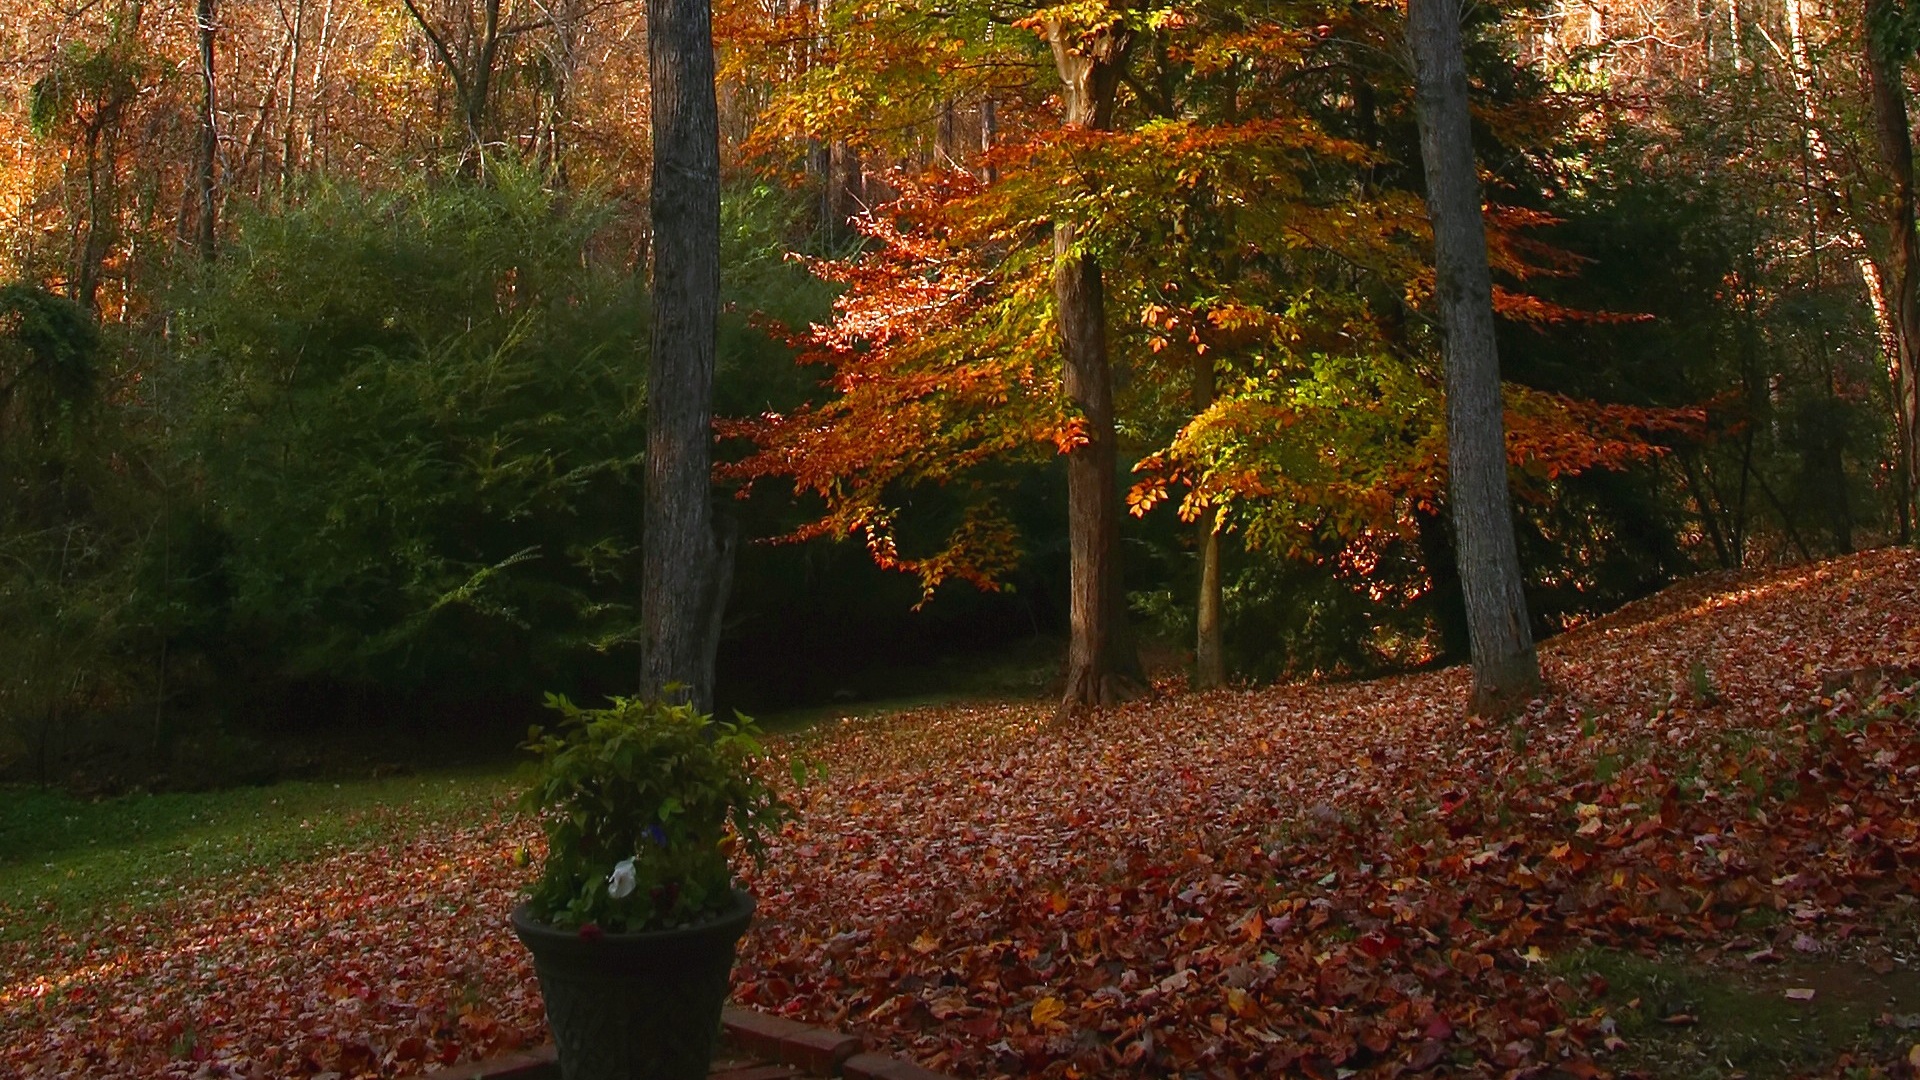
634	919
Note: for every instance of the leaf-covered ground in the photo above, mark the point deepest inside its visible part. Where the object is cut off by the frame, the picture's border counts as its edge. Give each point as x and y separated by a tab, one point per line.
1317	880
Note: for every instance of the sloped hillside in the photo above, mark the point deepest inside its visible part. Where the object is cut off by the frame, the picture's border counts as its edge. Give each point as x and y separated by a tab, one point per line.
1357	876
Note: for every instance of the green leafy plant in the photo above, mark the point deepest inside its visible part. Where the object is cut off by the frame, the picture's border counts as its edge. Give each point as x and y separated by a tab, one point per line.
1700	684
644	804
417	415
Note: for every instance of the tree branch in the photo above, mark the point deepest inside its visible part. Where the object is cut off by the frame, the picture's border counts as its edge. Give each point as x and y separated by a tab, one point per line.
440	47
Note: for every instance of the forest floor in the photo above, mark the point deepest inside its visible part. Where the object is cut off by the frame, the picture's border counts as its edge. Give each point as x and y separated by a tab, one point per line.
1697	855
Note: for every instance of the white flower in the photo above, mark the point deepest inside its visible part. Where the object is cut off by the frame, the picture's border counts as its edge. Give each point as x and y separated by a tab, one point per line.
621	882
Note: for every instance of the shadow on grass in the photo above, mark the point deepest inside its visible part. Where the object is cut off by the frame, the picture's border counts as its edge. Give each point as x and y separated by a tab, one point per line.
1713	1018
66	860
1027	670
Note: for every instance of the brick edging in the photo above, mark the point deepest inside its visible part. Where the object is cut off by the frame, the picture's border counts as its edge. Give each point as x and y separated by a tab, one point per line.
816	1049
821	1051
882	1067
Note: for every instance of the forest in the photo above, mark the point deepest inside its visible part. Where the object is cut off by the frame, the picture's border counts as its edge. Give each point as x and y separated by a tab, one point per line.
324	348
1113	448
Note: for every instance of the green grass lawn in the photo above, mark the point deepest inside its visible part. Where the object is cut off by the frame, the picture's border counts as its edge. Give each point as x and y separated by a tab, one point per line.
1682	1017
67	861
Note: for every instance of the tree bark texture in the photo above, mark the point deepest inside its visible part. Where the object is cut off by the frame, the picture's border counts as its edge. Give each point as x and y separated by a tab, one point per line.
90	253
944	136
1895	138
1102	666
1505	669
563	60
289	151
846	191
989	137
204	180
1210	632
684	573
479	91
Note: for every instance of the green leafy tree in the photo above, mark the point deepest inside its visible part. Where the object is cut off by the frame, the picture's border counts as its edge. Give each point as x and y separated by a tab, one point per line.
419	417
69	535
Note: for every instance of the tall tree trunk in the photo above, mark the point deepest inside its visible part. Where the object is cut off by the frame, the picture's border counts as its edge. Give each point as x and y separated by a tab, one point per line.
1210	612
209	147
1504	666
90	252
1210	609
1210	631
1102	666
820	167
564	53
989	137
819	151
683	565
846	190
316	100
289	149
943	144
480	86
1734	35
1895	137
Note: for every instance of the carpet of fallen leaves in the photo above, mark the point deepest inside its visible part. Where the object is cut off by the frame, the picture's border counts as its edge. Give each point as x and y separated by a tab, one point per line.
381	962
1321	880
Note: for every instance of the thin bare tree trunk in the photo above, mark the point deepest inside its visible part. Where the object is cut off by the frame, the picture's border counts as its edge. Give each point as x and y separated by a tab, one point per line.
471	72
684	576
91	252
565	60
317	86
256	144
481	83
204	179
288	149
819	151
1505	669
989	135
1102	666
1733	35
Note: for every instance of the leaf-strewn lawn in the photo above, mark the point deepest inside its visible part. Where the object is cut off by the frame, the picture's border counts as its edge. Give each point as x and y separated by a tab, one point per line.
64	860
1697	856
